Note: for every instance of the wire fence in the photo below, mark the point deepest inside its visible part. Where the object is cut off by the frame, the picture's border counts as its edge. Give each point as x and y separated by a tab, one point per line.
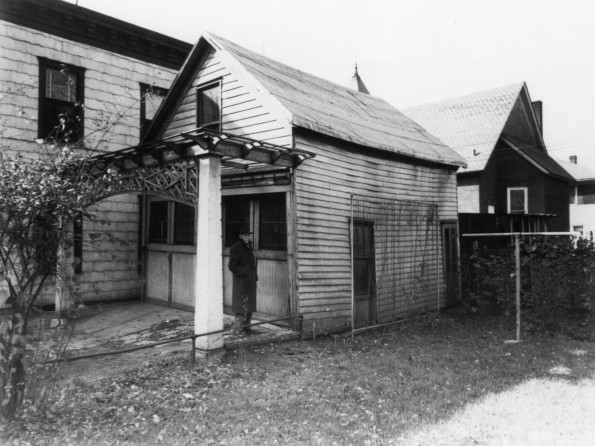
404	247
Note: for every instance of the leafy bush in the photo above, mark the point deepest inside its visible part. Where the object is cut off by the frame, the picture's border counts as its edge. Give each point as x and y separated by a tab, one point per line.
557	281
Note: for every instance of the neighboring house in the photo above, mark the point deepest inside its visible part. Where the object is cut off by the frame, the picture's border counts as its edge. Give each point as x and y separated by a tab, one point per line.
582	197
499	133
57	56
351	228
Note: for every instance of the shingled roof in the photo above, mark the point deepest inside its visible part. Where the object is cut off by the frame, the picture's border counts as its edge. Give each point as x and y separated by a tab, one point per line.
319	105
471	124
579	173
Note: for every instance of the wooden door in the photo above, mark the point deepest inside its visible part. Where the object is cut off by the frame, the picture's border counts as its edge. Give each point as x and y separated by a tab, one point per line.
364	273
265	215
451	262
170	253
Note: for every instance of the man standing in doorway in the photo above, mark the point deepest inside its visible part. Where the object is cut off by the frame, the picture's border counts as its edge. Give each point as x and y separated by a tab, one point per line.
243	266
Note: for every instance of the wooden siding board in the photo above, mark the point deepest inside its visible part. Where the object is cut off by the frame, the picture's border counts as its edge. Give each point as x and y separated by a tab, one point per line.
323	189
242	111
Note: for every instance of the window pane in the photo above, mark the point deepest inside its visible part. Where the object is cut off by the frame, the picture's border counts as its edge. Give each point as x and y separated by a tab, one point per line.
236	217
273	225
517	200
60	85
158	222
184	226
153	100
208	107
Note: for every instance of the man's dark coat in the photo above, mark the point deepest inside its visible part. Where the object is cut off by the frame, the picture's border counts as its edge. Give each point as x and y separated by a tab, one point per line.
243	266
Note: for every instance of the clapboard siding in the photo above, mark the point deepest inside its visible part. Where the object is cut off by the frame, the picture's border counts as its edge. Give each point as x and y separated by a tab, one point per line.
323	188
243	111
112	89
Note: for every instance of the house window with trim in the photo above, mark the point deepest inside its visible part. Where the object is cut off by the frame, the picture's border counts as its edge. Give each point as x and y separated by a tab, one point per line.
585	194
171	223
208	106
61	97
151	99
262	215
517	199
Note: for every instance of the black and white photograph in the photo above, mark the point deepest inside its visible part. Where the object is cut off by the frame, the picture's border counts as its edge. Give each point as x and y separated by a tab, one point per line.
260	222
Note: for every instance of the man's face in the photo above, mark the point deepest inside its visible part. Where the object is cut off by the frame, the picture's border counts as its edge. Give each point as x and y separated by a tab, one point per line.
247	238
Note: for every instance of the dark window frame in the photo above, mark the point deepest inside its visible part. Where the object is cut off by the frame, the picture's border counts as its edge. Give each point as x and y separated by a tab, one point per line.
158	222
255	220
200	119
47	106
171	222
145	123
510	200
184	224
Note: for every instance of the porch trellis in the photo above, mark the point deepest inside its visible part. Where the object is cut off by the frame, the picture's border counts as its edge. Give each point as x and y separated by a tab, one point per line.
168	167
187	167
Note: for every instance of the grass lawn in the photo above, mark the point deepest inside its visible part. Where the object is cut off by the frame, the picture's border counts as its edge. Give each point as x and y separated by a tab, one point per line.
445	381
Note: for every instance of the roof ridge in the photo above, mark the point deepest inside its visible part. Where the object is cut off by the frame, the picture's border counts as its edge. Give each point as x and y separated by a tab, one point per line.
268	59
516	86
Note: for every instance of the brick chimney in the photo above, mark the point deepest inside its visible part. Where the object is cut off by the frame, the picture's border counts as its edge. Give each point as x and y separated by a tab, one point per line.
573	159
538	109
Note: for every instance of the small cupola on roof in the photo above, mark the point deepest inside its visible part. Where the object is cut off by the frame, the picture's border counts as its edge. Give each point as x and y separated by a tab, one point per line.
357	84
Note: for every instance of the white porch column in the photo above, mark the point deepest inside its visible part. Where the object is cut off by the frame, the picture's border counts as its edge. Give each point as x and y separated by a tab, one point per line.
208	299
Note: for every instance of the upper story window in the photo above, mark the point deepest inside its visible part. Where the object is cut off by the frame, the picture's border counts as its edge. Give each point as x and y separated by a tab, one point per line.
585	194
61	97
151	98
517	200
208	106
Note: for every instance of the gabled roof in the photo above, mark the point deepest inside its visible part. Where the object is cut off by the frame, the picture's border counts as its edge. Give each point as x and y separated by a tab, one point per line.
578	172
539	158
471	124
310	102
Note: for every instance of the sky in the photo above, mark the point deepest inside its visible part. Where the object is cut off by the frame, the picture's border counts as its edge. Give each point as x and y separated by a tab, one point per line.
412	52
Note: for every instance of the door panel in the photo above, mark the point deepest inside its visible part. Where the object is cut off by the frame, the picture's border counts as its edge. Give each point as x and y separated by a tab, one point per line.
183	265
158	273
272	288
364	273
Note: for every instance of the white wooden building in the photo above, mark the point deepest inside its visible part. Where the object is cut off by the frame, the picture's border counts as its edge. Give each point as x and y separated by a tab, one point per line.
55	56
316	220
581	197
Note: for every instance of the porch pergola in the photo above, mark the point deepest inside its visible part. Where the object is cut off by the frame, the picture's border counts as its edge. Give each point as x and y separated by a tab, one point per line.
187	167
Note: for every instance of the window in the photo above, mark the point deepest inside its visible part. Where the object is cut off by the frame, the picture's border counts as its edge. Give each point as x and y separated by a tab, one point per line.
151	99
181	218
517	200
586	194
237	218
273	226
577	229
208	106
61	95
263	215
158	221
184	224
